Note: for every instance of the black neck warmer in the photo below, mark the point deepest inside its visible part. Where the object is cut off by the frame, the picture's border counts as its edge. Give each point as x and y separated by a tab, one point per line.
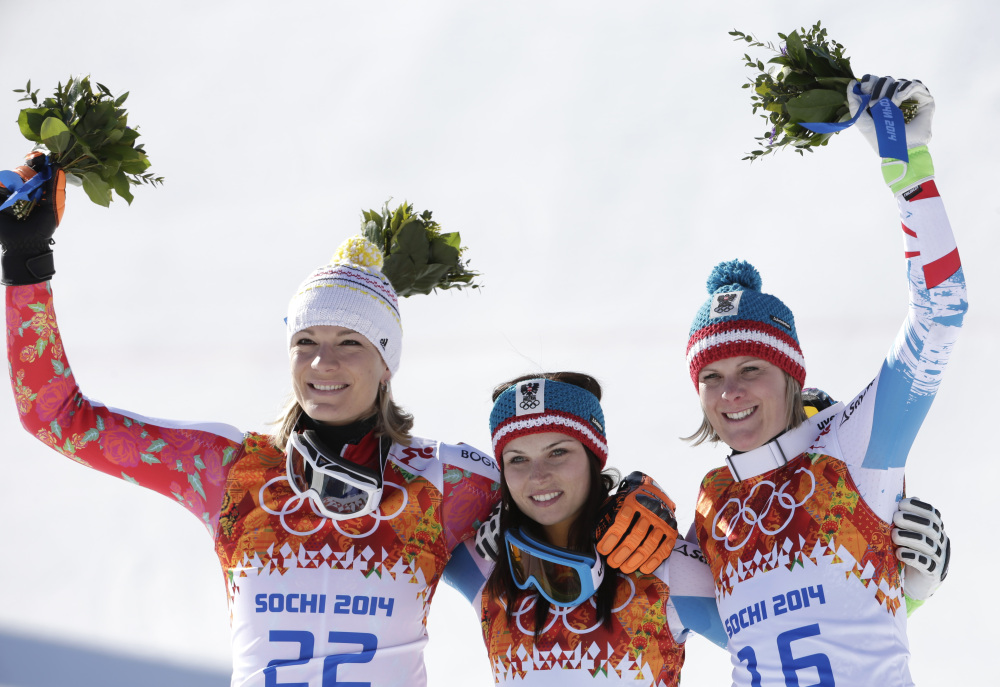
335	437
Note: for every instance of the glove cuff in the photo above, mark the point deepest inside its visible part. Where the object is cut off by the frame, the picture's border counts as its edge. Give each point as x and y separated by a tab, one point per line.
21	269
912	604
901	175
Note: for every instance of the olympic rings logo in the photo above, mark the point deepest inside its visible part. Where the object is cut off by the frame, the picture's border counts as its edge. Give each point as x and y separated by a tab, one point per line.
527	606
754	519
295	501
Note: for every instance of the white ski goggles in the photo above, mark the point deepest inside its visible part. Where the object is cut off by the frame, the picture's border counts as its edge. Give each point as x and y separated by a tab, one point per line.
338	488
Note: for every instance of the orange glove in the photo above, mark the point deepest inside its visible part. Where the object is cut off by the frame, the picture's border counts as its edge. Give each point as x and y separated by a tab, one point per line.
637	528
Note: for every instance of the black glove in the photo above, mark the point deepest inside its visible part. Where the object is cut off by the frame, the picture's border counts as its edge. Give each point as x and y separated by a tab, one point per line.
815	401
26	242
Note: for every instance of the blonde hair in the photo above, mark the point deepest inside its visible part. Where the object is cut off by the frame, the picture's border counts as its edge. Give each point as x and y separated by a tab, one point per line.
795	415
392	420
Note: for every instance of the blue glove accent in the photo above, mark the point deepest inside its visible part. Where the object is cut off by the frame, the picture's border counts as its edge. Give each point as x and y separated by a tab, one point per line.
24	190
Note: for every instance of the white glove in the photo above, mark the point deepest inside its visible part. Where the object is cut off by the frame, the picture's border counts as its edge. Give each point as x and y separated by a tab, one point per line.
918	130
922	546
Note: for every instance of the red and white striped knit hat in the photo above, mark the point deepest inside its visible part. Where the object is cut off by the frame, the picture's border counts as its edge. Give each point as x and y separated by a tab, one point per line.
739	320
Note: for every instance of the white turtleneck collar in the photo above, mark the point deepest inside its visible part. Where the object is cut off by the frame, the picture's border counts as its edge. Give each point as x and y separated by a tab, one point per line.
781	449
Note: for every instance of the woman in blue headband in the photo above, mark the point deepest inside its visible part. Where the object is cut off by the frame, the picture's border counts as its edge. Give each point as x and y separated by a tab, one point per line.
550	593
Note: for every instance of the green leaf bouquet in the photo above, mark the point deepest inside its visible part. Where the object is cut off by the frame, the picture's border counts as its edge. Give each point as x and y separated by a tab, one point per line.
806	82
418	256
809	85
86	133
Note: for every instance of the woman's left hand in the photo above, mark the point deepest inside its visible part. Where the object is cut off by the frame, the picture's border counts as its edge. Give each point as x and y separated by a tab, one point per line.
637	528
922	546
919	110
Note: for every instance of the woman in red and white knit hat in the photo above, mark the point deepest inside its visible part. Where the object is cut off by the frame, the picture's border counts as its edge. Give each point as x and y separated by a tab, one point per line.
797	526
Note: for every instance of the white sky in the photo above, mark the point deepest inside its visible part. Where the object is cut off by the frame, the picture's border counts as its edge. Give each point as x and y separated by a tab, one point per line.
589	153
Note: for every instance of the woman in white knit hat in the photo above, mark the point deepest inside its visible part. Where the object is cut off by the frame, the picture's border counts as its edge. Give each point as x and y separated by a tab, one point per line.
333	533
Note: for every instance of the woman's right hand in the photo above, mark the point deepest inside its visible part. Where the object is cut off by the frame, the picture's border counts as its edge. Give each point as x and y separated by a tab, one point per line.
27	255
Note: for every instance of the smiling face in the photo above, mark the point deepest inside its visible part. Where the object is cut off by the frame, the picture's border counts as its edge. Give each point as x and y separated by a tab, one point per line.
745	401
548	476
336	373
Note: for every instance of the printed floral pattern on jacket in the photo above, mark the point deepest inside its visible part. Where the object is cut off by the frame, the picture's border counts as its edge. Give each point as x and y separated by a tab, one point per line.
222	482
808	511
186	466
639	645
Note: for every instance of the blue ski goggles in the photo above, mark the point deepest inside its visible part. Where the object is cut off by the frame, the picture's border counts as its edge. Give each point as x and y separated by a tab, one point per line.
564	577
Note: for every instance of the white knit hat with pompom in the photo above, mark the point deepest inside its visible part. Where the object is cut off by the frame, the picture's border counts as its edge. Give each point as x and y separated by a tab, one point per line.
351	292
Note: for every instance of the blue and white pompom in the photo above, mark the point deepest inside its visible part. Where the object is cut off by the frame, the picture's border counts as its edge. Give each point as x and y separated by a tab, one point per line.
734	273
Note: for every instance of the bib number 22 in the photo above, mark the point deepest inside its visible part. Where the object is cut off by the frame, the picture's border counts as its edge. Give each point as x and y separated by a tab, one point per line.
789	664
307	645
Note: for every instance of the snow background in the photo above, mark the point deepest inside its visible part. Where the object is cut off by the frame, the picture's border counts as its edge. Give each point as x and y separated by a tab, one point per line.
588	152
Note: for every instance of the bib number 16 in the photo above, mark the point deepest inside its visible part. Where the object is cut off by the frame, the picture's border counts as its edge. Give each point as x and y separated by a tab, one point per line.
790	665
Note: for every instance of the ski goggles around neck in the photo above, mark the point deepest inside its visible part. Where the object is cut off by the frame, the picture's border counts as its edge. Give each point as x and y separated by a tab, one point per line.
338	488
564	577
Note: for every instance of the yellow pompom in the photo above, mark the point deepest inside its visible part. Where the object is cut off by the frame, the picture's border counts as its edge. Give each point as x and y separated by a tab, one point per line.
358	250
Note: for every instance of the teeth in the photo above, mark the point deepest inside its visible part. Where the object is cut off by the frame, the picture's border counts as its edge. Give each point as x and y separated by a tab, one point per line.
546	497
329	387
740	415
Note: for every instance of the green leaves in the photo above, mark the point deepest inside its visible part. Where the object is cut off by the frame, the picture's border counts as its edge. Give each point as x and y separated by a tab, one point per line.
97	189
120	183
795	49
30	122
55	135
418	257
86	133
810	86
817	105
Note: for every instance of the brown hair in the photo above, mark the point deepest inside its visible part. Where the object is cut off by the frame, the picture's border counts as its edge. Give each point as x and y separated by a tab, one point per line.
795	415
